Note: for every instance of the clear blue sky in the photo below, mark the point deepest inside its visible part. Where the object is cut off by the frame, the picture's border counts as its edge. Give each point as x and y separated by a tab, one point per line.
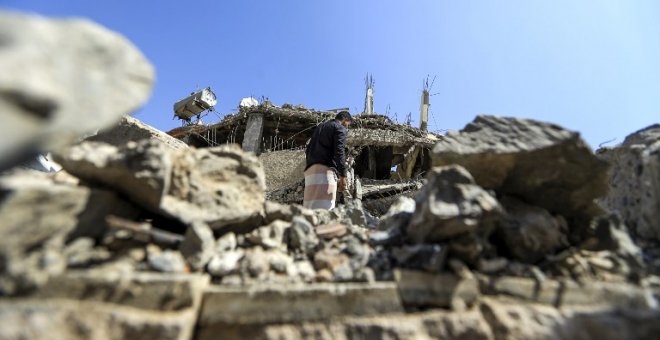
591	66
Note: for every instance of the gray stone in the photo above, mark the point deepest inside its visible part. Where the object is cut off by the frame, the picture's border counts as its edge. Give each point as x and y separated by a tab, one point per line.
219	186
131	129
277	211
226	242
256	262
330	231
198	246
279	261
225	263
301	235
437	290
634	181
450	205
611	234
49	100
427	257
305	270
398	215
529	233
167	261
540	163
269	236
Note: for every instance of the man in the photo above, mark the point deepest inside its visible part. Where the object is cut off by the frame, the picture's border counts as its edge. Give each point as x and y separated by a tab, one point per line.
326	161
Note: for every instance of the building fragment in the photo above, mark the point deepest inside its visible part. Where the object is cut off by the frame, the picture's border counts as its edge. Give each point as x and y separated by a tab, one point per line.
385	159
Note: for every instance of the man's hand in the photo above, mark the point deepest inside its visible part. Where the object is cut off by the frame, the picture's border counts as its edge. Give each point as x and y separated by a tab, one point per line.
341	185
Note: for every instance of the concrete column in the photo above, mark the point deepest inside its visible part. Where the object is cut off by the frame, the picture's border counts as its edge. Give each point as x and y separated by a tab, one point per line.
424	111
369	104
253	133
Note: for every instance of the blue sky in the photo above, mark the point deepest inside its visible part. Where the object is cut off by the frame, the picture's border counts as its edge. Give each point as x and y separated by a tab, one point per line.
591	66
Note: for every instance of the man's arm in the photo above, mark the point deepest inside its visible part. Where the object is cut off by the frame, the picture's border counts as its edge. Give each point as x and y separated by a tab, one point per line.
339	154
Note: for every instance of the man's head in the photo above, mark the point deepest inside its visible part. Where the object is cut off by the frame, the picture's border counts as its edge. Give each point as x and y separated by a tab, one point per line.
344	118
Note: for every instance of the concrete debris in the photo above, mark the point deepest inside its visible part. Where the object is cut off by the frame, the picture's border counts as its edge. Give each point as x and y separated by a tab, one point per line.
132	129
452	205
180	184
635	181
501	239
198	245
528	233
540	163
89	84
167	261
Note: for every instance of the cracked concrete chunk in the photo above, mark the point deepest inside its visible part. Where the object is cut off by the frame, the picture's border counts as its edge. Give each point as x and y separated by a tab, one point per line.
450	205
130	129
219	186
634	181
198	245
48	100
540	163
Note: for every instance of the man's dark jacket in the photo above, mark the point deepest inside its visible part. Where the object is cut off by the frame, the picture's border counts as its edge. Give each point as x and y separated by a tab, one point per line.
327	147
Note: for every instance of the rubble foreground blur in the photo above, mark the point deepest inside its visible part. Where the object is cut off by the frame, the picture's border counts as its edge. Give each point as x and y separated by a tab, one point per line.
508	229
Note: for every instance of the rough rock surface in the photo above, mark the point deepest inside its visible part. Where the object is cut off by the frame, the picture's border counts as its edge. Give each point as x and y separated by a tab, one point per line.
450	205
635	181
283	168
107	252
540	163
219	186
37	215
131	129
530	233
50	99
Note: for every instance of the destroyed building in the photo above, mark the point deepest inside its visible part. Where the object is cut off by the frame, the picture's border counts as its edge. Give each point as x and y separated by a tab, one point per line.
386	159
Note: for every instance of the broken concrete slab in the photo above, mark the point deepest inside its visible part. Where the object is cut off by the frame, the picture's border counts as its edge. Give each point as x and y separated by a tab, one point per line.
296	303
154	291
421	325
50	99
130	129
540	163
109	305
569	294
444	290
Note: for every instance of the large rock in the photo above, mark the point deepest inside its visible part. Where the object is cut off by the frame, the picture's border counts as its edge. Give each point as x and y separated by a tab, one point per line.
451	205
131	129
219	186
528	233
540	163
635	181
62	79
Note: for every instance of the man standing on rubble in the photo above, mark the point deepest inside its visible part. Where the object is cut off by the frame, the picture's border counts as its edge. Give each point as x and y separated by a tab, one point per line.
325	171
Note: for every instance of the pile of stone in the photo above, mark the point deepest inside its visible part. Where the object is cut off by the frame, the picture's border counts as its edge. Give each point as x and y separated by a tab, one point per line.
141	236
512	197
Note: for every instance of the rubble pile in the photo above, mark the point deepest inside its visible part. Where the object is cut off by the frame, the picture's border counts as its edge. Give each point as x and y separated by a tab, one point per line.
142	236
